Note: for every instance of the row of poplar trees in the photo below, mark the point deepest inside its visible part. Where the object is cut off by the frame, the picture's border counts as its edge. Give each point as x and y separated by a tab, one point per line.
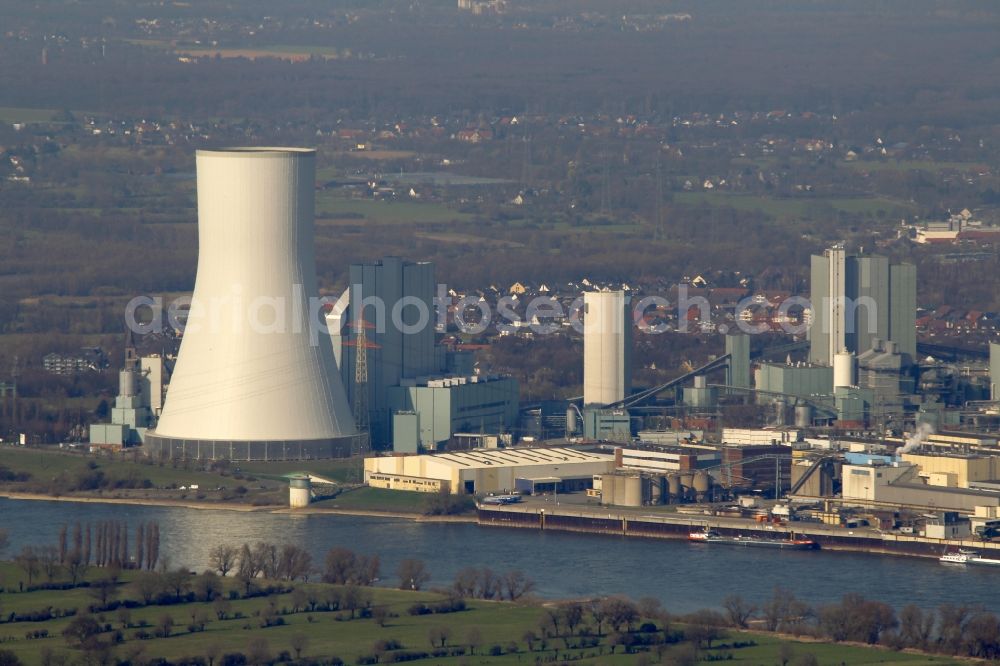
106	544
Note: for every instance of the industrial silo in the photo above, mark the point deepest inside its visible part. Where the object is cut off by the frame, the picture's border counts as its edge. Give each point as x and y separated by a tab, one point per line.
844	369
674	486
702	483
255	378
633	491
803	415
607	347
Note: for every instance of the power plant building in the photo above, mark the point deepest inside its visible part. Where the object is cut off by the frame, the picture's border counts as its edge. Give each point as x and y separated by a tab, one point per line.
450	405
139	400
397	303
607	347
858	299
994	371
251	381
416	390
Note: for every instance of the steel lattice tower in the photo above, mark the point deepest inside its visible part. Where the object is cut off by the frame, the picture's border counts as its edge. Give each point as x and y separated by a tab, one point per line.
361	385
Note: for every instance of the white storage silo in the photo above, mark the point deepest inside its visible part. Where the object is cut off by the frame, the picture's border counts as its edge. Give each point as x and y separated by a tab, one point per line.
844	369
255	378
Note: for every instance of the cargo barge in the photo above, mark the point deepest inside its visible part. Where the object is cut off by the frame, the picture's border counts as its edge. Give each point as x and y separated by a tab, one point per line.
745	541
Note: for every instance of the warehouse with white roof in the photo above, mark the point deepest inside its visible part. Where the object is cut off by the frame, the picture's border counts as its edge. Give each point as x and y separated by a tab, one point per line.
482	471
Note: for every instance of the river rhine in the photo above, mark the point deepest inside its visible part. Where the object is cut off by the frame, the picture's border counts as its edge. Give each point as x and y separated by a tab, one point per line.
684	576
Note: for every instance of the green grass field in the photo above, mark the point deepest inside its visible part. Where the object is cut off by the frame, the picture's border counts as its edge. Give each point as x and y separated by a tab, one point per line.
329	633
13	114
46	464
378	499
789	208
911	165
334	209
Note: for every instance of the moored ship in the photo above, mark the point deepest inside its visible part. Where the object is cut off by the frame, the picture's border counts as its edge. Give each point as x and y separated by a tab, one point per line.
963	556
790	543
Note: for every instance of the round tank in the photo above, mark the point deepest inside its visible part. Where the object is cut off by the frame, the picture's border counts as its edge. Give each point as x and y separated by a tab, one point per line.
687	484
299	491
674	485
570	422
702	482
844	369
664	493
633	490
803	416
779	412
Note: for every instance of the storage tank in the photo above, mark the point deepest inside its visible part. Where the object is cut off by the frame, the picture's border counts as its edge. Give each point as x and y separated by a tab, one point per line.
674	486
126	382
779	412
299	491
687	485
844	369
633	490
570	421
702	483
803	415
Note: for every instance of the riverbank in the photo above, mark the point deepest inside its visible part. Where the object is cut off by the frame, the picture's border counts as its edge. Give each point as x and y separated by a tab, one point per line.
137	501
244	508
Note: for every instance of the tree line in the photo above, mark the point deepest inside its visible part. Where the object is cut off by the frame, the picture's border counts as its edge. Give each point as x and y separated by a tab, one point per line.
102	544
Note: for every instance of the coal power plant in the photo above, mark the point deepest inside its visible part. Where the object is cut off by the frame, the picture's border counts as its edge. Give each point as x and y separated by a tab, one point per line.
252	382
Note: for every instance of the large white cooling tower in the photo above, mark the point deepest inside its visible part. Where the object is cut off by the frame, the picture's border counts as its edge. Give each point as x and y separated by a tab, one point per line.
255	378
607	347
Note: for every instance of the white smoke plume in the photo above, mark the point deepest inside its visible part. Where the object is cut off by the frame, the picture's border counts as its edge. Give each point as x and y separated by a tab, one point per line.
918	437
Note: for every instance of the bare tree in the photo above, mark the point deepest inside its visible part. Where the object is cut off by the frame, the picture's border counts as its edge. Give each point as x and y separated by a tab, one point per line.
916	627
294	563
438	636
75	566
339	566
206	586
299	642
62	544
412	574
738	610
516	584
488	585
48	557
465	582
258	651
140	546
28	560
572	615
87	545
224	558
267	557
148	585
212	652
369	567
474	638
103	590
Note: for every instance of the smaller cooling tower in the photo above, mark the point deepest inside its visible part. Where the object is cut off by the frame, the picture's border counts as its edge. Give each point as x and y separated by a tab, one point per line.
607	347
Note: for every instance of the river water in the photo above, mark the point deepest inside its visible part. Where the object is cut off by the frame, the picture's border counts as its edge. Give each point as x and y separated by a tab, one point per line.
685	577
